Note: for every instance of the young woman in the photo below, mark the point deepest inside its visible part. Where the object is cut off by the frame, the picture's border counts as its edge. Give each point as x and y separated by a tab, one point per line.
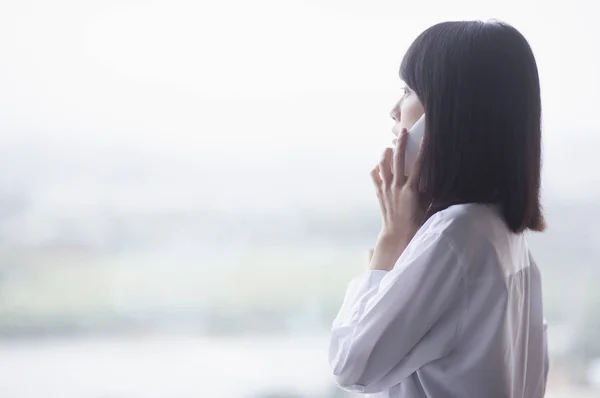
451	305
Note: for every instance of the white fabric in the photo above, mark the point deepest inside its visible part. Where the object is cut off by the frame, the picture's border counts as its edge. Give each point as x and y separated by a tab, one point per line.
460	315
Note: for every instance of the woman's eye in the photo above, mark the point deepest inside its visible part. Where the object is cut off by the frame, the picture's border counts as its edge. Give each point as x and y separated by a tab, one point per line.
406	91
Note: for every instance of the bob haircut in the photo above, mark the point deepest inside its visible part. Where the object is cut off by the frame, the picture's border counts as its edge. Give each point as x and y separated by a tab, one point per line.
479	85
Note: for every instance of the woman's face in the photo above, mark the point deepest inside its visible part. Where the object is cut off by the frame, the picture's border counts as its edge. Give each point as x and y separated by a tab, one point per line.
407	111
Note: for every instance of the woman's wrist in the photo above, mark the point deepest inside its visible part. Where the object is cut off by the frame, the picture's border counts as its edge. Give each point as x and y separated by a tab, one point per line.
387	251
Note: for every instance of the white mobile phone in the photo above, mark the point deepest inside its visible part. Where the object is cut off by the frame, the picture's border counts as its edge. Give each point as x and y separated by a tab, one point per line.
415	134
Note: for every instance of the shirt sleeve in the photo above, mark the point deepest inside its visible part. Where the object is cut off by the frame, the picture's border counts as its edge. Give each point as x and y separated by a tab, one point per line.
377	339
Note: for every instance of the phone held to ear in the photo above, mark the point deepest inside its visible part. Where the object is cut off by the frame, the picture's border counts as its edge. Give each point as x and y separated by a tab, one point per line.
415	134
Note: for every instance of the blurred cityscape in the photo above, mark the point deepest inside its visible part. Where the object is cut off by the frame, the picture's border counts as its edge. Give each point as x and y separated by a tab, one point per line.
109	289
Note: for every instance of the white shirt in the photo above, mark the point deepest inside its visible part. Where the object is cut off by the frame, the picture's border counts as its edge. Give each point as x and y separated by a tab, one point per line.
460	315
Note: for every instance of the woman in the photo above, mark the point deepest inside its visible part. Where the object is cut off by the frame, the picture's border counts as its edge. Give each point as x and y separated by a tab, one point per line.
451	305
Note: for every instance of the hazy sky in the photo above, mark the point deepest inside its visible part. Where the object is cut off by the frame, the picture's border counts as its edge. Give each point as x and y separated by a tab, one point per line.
253	80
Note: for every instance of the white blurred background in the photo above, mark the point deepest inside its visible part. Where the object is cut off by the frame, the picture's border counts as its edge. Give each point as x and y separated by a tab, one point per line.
184	188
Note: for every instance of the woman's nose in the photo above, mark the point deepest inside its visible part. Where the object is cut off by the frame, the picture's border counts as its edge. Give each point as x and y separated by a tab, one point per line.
395	113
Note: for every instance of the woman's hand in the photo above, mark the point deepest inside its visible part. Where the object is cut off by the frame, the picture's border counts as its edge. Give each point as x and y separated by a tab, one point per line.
399	200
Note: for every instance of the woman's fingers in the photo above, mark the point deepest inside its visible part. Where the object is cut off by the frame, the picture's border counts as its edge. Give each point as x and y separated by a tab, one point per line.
415	175
385	167
399	158
378	182
376	178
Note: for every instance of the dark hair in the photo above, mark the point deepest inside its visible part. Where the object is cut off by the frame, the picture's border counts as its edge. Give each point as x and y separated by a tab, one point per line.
479	85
